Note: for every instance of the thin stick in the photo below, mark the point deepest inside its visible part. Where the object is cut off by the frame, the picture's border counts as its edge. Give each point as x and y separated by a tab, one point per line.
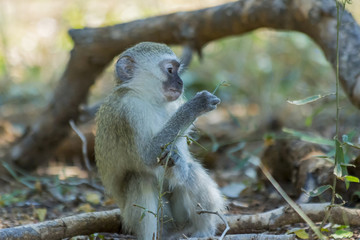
84	145
222	83
291	202
227	228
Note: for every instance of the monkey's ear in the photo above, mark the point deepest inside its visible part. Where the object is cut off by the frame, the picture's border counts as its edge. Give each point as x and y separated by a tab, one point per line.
125	68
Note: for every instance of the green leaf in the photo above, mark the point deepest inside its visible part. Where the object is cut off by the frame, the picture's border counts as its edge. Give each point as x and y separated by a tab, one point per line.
347	184
318	191
338	196
96	236
302	234
340	227
142	216
341	234
41	213
347	165
352	178
338	170
307	138
339	155
309	99
325	230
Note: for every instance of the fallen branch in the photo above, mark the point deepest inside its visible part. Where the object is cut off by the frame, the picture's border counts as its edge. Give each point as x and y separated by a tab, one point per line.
82	224
250	236
285	215
109	221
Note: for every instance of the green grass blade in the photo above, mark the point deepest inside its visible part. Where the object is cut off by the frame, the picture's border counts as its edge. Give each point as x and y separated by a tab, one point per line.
309	99
307	138
318	191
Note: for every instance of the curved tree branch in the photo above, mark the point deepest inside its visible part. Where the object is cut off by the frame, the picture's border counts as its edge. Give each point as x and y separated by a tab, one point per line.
96	47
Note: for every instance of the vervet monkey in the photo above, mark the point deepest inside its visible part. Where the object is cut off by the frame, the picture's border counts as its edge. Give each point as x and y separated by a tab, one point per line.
136	126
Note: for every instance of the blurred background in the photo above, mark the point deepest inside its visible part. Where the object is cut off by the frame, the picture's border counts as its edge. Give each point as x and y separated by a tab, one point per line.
264	68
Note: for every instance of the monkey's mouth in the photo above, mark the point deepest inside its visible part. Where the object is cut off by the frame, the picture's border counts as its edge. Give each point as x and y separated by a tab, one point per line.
172	94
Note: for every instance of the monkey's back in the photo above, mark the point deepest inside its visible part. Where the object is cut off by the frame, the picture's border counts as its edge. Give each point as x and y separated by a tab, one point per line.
115	150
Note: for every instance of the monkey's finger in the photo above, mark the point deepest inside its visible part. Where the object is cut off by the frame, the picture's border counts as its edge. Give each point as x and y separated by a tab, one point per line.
215	101
171	163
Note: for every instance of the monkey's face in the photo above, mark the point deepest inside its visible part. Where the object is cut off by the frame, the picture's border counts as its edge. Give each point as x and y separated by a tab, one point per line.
173	85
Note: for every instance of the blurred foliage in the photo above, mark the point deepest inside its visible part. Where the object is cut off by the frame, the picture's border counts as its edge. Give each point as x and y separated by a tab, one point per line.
263	65
11	198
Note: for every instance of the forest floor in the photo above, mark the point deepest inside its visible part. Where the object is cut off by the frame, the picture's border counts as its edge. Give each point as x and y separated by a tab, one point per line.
62	187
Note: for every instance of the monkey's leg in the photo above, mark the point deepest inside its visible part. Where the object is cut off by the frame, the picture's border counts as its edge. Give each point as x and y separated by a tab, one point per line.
200	189
141	192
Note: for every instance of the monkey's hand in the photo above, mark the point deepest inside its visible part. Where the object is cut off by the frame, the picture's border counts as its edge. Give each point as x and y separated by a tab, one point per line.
204	102
172	159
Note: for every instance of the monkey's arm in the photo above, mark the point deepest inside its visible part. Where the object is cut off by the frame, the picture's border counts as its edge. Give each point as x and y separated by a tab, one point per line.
202	102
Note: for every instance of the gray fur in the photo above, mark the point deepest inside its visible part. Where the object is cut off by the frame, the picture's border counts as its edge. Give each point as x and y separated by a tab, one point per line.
134	124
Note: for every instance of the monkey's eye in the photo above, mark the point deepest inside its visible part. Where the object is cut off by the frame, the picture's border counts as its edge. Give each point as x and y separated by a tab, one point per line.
170	70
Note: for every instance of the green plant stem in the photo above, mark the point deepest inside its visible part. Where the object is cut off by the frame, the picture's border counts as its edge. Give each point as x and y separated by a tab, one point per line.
338	23
337	93
337	72
217	86
160	210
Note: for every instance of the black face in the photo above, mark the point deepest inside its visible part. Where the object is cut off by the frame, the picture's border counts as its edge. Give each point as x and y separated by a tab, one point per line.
173	85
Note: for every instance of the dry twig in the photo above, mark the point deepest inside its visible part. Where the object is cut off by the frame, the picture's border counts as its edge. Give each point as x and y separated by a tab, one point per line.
227	228
84	145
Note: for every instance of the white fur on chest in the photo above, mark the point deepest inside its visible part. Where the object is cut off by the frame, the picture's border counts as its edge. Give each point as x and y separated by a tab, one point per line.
157	116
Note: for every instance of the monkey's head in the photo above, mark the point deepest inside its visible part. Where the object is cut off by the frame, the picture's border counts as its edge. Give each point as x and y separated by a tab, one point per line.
151	68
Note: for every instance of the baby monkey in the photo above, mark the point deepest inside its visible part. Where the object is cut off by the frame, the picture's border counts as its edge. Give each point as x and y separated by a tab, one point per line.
138	129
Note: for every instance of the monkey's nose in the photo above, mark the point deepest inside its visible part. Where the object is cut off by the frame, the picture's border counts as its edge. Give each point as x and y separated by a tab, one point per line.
179	81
